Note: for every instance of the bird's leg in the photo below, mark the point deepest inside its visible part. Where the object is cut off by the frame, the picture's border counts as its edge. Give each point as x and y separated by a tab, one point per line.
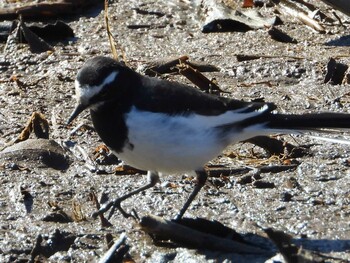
201	178
152	178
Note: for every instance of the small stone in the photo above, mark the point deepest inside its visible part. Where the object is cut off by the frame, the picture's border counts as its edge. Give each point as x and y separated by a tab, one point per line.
286	197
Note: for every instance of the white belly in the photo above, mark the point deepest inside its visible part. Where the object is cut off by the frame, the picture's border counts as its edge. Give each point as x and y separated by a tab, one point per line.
166	143
170	144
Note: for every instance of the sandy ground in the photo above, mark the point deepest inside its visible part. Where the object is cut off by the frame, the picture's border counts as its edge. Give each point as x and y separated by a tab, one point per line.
291	75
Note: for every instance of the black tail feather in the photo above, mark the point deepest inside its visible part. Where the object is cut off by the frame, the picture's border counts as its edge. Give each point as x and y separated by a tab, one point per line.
312	121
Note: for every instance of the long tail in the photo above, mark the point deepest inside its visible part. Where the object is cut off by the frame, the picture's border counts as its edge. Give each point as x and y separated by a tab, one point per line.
308	122
321	122
266	122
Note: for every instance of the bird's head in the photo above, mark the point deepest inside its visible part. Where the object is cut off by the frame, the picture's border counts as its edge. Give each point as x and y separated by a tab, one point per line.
95	84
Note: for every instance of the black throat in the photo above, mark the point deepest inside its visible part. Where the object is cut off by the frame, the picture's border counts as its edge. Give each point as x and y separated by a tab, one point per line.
110	125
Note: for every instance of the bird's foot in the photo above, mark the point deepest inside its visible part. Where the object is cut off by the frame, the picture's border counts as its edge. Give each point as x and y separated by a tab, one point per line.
113	205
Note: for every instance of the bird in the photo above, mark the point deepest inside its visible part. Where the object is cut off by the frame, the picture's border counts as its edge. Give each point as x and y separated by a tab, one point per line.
167	127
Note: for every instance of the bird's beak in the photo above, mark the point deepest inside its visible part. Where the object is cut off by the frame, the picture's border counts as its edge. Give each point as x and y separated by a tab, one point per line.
78	109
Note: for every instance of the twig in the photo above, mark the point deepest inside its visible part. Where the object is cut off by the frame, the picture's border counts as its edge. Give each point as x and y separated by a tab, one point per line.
289	8
109	240
243	57
117	251
250	84
164	66
226	171
197	78
76	128
277	168
109	33
338	18
168	65
104	221
54	122
89	163
193	238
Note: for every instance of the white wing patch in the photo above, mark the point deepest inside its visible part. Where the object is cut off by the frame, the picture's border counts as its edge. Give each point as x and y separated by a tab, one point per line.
225	118
84	94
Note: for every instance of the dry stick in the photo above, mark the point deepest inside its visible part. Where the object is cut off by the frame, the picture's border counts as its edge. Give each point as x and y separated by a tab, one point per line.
246	57
197	78
104	221
182	234
54	122
118	246
168	65
310	22
226	171
89	163
338	18
289	8
80	125
164	66
110	36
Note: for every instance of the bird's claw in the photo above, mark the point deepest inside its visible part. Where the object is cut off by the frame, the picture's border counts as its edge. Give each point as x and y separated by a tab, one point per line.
112	205
116	204
104	208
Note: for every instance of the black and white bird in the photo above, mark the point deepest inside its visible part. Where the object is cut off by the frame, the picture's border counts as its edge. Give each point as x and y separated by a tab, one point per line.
168	127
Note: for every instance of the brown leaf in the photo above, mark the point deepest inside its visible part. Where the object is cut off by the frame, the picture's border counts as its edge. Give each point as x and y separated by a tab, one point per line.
38	124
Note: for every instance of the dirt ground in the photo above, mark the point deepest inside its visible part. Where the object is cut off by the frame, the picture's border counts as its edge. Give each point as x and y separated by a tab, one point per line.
316	213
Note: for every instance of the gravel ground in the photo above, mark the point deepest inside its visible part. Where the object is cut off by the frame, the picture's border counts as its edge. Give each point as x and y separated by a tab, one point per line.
317	214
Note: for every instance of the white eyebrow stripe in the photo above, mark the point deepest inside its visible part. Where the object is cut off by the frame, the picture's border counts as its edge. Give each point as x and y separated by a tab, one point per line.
84	94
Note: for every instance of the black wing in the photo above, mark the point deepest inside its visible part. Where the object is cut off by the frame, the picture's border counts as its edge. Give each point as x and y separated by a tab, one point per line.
170	97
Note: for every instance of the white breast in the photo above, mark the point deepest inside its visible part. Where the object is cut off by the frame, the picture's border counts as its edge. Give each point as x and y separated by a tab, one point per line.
166	143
